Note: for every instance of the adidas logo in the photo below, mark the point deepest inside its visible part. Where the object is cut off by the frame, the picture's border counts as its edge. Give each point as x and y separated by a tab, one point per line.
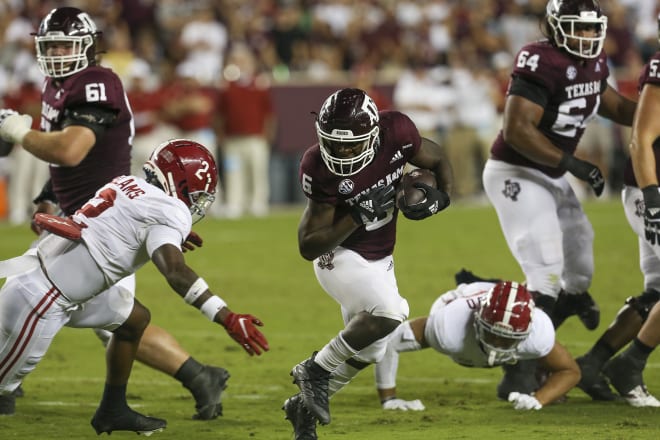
397	156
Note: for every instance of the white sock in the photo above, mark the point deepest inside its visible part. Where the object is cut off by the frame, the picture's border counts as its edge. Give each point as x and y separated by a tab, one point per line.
341	377
334	354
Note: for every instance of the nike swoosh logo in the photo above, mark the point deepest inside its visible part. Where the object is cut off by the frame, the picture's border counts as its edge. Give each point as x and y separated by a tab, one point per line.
654	211
241	322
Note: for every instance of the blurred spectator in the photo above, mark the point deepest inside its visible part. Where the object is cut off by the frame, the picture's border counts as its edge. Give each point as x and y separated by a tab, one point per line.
190	108
469	139
427	97
364	77
248	130
146	99
203	42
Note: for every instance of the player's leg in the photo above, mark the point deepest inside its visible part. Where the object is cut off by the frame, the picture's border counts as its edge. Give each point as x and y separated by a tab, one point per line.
27	301
625	371
113	413
578	236
630	318
346	284
526	207
160	350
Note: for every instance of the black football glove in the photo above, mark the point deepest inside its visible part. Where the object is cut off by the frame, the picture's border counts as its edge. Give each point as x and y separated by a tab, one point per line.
652	214
374	204
583	170
436	200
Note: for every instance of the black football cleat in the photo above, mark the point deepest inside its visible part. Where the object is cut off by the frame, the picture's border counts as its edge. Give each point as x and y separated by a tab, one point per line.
303	422
520	377
580	304
592	381
625	375
313	383
128	420
7	404
207	388
465	276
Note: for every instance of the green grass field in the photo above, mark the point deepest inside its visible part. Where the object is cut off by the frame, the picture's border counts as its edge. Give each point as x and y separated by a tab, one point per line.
255	266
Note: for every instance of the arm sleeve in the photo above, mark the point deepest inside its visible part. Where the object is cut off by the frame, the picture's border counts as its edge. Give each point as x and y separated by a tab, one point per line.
530	90
97	119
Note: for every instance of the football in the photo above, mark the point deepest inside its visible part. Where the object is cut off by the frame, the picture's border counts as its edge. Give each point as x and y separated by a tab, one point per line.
407	194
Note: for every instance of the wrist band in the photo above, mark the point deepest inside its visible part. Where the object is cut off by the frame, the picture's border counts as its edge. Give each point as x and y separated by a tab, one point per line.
211	307
195	290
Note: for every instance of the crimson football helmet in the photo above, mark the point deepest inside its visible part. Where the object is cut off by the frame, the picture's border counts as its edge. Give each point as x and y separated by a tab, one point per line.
347	127
567	17
67	27
503	320
186	170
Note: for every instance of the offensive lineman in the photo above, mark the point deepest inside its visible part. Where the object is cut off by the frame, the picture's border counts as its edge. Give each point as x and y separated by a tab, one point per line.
482	325
556	87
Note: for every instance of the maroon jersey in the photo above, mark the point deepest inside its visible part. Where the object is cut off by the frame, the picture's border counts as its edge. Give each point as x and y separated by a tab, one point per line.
650	75
111	155
399	141
573	96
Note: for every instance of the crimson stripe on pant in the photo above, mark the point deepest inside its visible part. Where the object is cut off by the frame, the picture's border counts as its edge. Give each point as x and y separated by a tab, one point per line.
27	331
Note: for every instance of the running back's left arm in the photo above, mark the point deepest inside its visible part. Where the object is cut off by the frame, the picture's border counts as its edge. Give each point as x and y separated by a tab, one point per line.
434	157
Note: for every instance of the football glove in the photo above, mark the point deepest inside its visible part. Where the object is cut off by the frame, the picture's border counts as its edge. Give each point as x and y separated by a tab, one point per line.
524	401
374	204
14	126
404	405
583	170
652	214
242	329
192	242
436	200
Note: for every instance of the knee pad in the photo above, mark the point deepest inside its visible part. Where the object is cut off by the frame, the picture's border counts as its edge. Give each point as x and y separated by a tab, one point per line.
643	303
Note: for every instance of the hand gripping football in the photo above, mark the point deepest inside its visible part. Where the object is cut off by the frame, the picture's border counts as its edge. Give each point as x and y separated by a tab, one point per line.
407	193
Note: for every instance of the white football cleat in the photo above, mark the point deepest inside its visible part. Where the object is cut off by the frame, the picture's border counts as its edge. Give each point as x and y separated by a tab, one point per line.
639	397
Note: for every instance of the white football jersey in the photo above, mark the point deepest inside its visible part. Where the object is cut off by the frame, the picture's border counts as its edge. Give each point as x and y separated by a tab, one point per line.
450	328
125	222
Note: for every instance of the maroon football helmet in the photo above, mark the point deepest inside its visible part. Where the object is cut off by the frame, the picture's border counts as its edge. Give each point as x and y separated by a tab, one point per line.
186	170
503	320
567	17
347	127
66	27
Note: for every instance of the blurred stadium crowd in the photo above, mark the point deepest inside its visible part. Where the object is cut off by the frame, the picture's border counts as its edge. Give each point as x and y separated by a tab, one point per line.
445	63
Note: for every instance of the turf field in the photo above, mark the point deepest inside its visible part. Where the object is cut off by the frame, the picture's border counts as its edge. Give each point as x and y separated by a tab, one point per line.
255	266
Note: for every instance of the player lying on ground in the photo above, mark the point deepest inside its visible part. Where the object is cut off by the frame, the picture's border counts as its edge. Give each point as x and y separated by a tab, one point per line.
483	324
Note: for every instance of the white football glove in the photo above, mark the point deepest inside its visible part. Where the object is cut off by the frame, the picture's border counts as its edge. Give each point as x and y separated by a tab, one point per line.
14	126
404	405
524	401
